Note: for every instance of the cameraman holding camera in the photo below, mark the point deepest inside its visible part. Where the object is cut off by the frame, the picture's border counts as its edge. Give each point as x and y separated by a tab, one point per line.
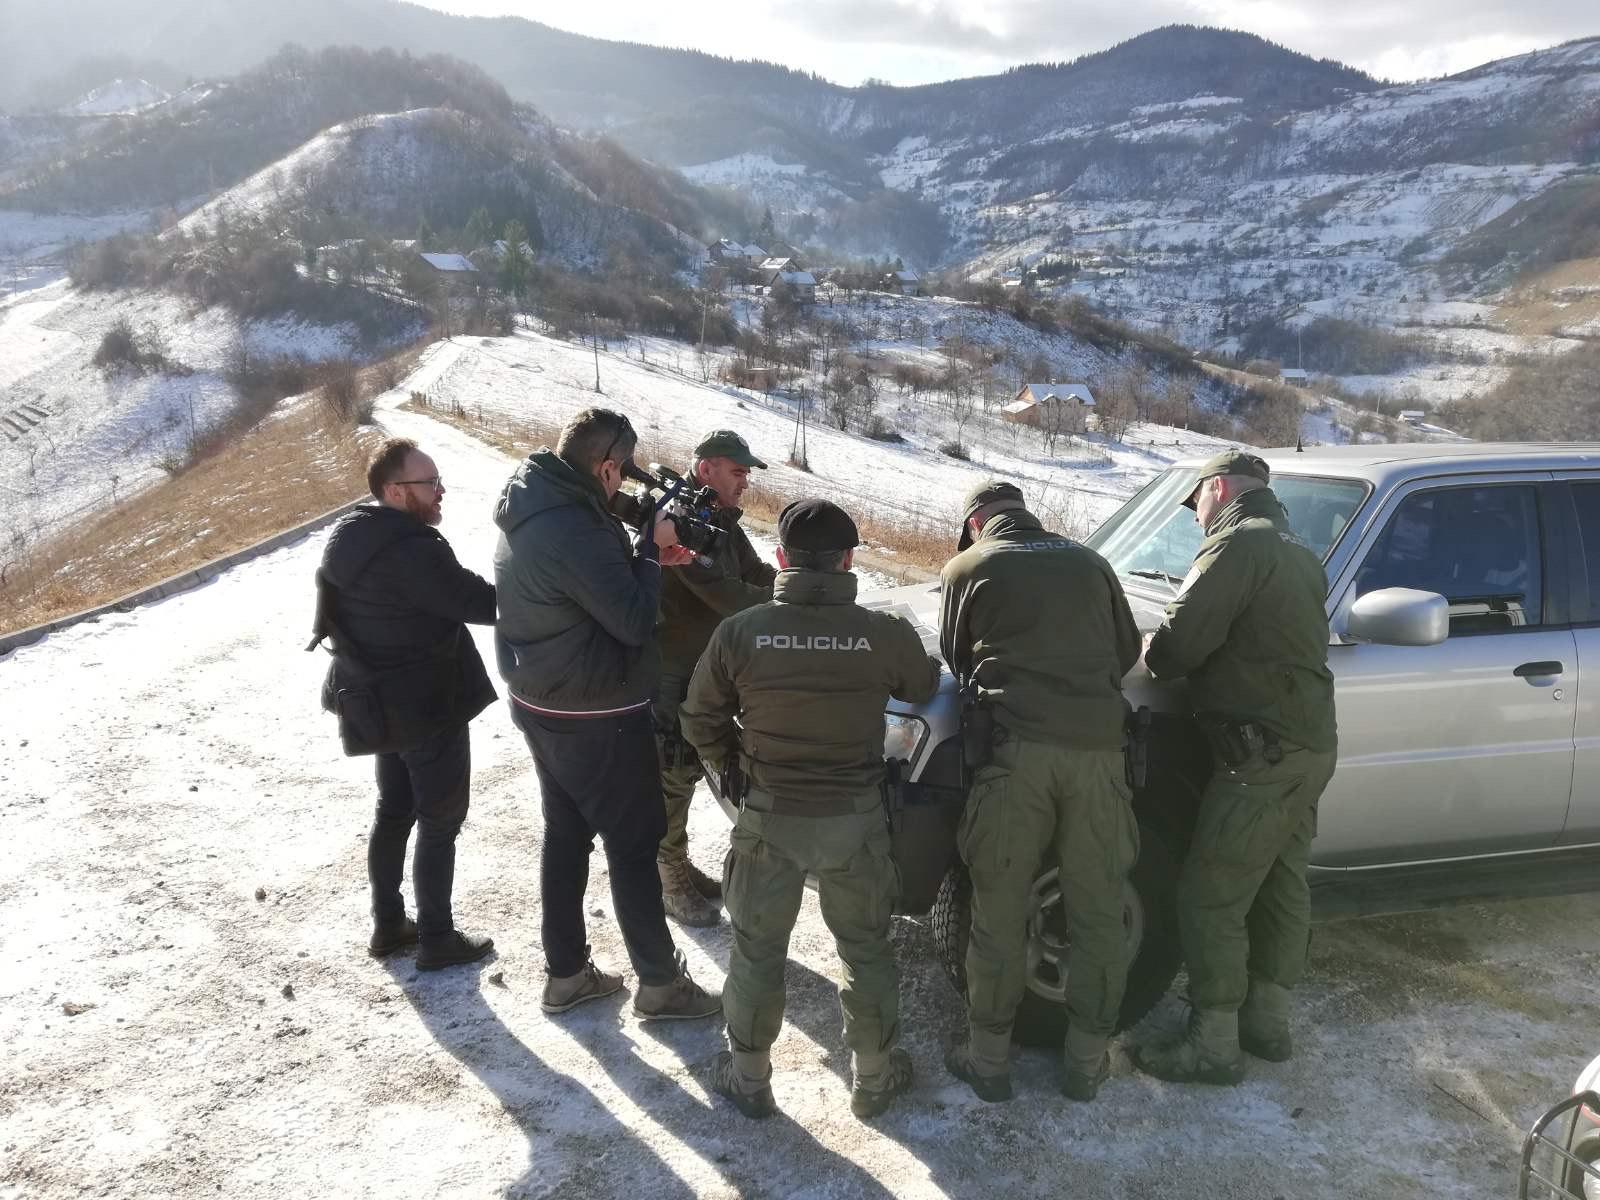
694	600
576	646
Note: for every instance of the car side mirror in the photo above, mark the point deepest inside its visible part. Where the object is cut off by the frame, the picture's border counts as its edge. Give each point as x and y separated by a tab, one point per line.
1399	617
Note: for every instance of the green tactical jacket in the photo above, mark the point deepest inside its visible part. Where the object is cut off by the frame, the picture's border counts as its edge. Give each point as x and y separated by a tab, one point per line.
695	599
807	676
1040	623
1249	626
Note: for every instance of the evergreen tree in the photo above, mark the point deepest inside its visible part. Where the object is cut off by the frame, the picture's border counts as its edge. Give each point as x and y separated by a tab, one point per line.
516	266
767	234
479	231
425	235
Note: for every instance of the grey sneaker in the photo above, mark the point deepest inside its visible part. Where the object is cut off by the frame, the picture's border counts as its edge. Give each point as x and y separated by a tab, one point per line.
681	1000
683	901
591	983
756	1102
872	1097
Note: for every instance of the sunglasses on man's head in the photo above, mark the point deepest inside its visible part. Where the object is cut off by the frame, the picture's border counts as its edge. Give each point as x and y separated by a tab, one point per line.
624	429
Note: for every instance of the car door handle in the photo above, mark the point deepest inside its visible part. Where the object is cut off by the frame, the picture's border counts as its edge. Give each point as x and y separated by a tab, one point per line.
1538	670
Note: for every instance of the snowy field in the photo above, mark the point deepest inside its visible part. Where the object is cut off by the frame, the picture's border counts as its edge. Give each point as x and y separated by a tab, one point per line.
228	1046
544	381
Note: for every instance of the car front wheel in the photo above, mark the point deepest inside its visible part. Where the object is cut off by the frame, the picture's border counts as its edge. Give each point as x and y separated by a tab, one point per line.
1150	922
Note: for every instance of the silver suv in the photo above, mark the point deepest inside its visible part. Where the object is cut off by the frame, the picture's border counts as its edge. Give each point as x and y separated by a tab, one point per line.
1464	604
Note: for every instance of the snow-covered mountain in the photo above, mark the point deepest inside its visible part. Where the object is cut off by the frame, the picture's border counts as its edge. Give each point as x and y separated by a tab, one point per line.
120	96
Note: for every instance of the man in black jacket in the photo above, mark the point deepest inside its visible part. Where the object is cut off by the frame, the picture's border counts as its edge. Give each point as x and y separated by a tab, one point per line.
576	644
395	600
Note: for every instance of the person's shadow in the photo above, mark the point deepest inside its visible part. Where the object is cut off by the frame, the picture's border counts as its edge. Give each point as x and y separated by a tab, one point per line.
576	1143
569	1129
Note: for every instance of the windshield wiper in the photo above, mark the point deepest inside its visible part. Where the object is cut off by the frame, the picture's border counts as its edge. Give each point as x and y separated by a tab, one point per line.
1165	576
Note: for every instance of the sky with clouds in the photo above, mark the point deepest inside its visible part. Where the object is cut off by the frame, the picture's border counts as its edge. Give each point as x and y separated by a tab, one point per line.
921	41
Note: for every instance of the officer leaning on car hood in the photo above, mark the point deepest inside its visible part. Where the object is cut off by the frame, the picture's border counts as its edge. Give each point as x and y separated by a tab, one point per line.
1250	631
1036	628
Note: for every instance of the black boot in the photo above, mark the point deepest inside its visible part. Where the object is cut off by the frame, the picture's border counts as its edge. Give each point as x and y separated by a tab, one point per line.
386	939
452	950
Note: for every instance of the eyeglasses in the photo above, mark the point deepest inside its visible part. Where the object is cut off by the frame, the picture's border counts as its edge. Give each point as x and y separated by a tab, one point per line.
625	429
436	482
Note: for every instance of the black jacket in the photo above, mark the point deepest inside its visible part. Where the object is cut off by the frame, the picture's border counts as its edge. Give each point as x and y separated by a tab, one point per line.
396	602
576	635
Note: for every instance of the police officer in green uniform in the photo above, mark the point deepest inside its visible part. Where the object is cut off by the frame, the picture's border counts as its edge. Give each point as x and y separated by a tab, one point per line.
790	696
694	600
1036	628
1249	629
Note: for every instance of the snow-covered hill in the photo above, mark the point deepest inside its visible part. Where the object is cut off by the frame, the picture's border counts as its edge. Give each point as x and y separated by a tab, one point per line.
74	439
119	98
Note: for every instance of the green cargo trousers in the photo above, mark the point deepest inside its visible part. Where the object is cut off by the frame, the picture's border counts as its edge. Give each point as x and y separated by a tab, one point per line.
1042	803
1244	907
680	766
763	879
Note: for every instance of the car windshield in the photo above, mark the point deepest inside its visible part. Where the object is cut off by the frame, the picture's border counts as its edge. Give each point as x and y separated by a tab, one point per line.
1154	537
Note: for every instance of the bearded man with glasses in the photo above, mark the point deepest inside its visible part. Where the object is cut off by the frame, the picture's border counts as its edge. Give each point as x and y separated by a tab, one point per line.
405	681
576	644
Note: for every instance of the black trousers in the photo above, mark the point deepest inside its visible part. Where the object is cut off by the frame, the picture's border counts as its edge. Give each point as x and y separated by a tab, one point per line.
428	787
600	776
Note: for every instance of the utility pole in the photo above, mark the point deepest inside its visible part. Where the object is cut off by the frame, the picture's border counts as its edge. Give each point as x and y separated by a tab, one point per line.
594	340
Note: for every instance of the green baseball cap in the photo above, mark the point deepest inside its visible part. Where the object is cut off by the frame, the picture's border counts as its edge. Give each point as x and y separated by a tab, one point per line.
725	443
993	491
1229	462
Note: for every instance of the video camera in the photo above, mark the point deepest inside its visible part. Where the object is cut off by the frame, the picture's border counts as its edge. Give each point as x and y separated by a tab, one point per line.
664	490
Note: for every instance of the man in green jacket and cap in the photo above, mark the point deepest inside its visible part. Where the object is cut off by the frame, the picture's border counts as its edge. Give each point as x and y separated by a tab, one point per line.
1037	630
792	694
694	600
1249	629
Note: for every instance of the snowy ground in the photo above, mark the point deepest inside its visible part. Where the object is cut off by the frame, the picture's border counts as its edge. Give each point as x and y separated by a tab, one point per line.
171	761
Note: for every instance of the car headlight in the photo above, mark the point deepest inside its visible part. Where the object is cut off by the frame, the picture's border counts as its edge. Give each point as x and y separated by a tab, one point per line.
903	736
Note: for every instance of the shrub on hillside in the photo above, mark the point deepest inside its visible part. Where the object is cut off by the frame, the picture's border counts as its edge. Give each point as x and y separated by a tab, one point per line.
343	395
954	450
122	348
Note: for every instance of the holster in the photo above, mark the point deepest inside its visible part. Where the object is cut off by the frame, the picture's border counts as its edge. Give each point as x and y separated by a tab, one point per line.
893	790
1234	743
676	751
978	732
1136	747
735	787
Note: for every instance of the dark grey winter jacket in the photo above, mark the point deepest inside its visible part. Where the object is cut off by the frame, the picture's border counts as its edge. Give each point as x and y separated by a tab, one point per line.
576	634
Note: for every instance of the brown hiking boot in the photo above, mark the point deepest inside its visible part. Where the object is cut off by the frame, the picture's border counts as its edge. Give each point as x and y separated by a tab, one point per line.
1085	1065
681	1000
752	1097
708	887
992	1088
591	983
871	1095
682	899
1205	1051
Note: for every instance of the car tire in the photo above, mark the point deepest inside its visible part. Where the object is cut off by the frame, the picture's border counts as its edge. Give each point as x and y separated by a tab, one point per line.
1577	1181
1041	1018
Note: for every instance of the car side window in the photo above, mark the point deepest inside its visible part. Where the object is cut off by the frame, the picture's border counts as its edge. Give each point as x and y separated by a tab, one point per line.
1587	498
1478	547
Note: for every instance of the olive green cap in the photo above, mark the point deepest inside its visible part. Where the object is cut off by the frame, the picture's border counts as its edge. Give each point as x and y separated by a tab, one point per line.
993	491
1229	462
725	443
